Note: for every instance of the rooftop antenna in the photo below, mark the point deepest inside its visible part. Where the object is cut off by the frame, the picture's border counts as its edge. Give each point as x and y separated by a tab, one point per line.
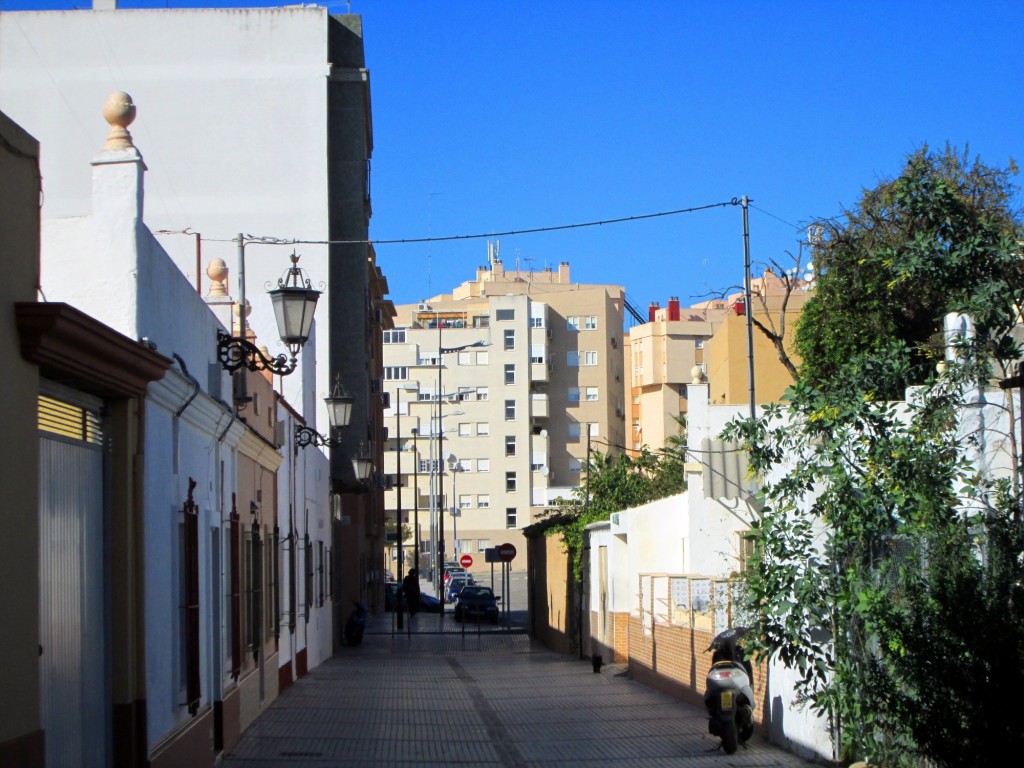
430	233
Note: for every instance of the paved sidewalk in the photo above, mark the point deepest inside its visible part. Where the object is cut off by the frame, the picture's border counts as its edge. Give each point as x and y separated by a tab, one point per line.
496	699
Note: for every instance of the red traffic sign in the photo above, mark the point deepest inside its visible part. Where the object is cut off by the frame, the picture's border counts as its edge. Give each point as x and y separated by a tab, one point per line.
466	560
506	553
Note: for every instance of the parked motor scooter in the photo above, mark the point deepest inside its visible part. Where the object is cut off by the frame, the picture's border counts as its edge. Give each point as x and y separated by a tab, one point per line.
356	624
729	694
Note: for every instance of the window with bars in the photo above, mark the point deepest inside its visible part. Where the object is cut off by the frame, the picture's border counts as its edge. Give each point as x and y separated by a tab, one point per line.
307	551
236	590
190	599
320	572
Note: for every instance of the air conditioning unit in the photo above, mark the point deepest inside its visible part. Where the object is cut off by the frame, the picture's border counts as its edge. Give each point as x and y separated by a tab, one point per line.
423	307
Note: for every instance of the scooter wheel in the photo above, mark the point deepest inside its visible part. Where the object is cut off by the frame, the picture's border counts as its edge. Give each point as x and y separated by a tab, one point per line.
730	740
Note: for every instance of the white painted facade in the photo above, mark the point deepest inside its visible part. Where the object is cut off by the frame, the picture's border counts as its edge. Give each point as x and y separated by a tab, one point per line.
110	266
304	479
232	111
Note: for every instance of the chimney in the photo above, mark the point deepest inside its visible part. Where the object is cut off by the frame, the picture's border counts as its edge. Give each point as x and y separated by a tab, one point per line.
651	311
563	273
673	307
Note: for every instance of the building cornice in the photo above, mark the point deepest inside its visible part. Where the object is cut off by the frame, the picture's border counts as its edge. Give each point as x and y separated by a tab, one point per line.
74	349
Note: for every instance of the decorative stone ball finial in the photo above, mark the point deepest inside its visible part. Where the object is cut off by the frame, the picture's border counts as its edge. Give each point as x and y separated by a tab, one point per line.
697	374
218	274
119	111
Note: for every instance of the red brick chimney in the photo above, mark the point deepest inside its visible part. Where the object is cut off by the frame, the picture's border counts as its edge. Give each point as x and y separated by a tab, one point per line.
673	307
651	310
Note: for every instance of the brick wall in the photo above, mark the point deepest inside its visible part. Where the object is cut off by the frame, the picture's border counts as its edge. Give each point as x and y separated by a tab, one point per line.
673	659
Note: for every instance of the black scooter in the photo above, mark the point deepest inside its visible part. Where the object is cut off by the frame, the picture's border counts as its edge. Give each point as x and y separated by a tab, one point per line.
356	624
729	694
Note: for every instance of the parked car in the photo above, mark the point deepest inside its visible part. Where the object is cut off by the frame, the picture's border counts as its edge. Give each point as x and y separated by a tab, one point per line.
476	601
429	603
392	596
455	585
458	571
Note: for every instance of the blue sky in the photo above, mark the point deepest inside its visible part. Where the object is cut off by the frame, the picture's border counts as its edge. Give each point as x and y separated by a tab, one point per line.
490	117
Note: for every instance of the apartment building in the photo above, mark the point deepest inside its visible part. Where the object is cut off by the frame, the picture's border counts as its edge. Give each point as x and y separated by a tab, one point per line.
664	354
494	392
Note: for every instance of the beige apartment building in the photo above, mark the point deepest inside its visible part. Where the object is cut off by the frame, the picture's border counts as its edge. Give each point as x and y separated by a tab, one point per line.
493	392
712	335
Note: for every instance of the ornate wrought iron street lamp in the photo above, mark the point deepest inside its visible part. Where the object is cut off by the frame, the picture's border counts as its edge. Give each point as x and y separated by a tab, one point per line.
294	302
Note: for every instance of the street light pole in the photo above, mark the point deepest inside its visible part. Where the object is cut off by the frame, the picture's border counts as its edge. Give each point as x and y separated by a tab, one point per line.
398	503
416	498
453	464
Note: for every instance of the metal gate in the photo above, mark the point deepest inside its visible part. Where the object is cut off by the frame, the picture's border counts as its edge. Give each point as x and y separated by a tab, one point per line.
74	695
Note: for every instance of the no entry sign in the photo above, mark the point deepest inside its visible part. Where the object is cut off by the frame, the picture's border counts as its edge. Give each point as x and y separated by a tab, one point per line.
465	561
506	553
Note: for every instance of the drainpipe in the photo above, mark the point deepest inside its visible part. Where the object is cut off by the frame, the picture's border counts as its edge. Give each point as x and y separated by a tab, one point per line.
195	385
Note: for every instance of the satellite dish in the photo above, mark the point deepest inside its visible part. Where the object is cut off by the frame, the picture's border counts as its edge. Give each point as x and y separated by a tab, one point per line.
543	433
545	471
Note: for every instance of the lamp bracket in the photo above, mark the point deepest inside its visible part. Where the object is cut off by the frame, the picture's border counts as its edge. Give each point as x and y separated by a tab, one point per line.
305	436
235	353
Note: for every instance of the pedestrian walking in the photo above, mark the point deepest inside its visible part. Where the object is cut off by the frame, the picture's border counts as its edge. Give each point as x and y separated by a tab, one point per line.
411	587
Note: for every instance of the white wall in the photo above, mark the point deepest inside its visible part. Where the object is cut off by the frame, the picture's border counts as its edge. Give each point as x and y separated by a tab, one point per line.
304	482
178	448
231	117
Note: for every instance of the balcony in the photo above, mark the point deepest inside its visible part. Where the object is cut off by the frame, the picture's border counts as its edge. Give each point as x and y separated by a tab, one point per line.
539	406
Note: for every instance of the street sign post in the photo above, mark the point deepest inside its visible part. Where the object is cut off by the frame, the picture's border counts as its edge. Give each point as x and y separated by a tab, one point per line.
506	553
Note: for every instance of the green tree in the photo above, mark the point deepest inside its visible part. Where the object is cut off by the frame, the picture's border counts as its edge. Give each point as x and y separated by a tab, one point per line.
939	238
613	483
889	563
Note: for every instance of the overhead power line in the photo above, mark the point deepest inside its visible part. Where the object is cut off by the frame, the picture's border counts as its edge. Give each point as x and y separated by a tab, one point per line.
449	238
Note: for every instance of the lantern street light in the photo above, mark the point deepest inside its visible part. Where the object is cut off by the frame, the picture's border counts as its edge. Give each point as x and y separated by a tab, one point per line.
294	302
339	414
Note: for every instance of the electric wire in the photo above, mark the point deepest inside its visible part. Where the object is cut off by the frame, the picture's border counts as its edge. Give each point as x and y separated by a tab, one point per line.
777	218
270	240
